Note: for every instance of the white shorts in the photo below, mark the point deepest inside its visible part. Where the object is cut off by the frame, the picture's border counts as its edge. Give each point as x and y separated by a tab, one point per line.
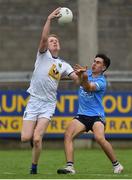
37	108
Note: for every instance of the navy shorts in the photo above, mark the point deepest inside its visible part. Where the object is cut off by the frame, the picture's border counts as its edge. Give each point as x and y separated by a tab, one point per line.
89	121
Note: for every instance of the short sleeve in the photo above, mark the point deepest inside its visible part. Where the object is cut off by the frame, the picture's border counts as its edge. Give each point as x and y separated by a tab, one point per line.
41	54
67	69
100	84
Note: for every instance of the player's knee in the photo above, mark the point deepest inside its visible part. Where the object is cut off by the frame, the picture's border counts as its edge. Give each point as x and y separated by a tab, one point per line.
25	138
99	139
67	136
37	141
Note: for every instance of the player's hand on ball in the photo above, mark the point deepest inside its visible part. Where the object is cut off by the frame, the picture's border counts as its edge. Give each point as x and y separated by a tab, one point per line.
55	13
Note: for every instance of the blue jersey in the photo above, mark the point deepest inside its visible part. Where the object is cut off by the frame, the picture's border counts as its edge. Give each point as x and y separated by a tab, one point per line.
90	103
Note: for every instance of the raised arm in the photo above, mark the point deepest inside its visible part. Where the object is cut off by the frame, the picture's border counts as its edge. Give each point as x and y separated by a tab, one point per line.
46	30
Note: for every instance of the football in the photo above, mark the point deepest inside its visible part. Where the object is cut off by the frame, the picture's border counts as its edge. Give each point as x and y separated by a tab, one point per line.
66	16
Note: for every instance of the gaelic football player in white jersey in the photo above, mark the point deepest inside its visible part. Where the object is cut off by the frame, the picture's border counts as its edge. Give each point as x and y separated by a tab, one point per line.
43	87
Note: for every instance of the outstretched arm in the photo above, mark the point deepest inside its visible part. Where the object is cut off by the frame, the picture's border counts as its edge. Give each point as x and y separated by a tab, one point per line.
46	30
76	76
83	78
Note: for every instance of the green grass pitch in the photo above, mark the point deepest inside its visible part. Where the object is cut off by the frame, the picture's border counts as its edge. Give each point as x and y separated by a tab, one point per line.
89	164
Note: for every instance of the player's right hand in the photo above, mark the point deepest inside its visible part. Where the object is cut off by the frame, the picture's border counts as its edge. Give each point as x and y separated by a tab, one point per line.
55	13
80	69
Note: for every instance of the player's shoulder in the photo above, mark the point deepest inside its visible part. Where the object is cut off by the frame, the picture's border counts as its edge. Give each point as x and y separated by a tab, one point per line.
89	72
46	52
102	76
102	79
62	61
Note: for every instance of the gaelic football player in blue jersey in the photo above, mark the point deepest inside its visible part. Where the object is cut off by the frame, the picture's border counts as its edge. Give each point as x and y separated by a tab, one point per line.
90	114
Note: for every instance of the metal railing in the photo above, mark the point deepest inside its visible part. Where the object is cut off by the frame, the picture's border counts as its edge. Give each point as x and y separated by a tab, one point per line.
15	77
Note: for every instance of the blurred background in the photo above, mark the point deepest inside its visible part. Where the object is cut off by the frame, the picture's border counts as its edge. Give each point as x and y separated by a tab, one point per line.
98	26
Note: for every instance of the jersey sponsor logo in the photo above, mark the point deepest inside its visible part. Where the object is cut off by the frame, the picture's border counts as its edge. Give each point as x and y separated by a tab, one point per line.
86	94
54	73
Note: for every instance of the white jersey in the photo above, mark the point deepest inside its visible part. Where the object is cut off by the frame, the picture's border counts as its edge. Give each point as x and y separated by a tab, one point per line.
47	73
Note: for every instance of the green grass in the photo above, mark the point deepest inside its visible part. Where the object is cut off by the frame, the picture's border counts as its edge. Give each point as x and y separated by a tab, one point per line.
89	164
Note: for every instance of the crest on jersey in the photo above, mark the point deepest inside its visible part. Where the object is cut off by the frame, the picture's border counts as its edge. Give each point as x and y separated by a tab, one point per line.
60	65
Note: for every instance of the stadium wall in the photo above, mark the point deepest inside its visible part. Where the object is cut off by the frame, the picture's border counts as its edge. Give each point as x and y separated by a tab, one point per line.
105	26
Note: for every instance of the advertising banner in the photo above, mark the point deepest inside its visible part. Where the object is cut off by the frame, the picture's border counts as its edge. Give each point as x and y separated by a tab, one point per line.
117	105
